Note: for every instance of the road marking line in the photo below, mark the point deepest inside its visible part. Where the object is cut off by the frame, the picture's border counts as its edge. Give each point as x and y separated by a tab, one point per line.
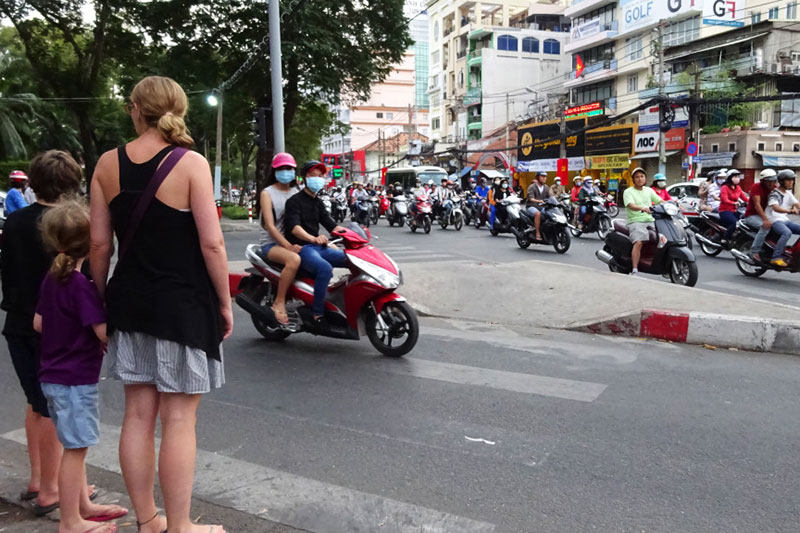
760	292
289	499
568	389
426	256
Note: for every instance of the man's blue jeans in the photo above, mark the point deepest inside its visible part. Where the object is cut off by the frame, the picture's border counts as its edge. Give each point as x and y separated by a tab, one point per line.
785	229
320	260
758	242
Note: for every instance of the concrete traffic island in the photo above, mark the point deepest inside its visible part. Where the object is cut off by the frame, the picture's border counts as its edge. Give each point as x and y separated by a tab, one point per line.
542	294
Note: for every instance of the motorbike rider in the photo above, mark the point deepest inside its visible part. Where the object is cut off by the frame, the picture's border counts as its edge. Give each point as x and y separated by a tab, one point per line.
500	194
573	196
780	204
586	192
715	188
446	193
702	191
419	191
537	195
638	201
369	190
660	187
304	214
15	198
557	189
756	209
729	196
281	185
482	190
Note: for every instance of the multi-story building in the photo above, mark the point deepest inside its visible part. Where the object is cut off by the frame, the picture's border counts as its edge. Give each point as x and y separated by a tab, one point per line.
451	22
708	46
398	104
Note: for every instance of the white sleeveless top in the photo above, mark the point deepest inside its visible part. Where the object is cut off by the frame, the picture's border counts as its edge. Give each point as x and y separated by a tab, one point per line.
278	198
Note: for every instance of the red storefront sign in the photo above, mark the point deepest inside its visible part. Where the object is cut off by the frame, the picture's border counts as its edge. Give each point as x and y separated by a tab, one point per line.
585	108
675	139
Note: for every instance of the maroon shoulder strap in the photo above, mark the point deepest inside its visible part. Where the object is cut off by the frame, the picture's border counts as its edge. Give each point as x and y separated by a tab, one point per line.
146	199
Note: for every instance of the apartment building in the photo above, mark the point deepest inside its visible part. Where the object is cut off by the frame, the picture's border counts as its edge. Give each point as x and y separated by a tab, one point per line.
451	22
397	104
708	45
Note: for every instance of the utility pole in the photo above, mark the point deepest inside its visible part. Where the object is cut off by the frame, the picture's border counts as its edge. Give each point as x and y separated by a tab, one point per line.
508	133
694	110
410	120
662	154
277	76
218	158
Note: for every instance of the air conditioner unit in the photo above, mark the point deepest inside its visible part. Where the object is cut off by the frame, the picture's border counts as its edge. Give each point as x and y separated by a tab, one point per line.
774	68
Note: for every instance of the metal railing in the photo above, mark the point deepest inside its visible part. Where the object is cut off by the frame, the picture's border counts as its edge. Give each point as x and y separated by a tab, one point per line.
460	54
475	54
606	64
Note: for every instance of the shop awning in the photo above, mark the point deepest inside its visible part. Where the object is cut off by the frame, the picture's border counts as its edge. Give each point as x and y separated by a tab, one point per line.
717	159
648	155
780	159
491	174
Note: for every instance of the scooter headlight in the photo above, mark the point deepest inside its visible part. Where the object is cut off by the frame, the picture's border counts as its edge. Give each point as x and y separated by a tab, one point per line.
559	218
381	275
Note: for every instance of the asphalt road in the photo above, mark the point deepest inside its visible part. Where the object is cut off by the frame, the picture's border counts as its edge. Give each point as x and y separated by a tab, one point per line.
717	274
483	428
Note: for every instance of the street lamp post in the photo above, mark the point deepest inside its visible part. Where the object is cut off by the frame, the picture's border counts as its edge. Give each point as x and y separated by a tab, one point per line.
277	75
215	100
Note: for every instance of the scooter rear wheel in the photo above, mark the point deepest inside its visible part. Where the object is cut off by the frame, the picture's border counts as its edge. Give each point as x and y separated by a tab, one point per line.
399	324
708	250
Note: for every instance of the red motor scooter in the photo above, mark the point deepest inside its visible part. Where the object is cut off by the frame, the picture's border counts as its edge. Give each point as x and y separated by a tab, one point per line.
384	205
362	302
422	216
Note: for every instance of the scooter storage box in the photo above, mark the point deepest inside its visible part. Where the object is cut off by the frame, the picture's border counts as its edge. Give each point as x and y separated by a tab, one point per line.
620	243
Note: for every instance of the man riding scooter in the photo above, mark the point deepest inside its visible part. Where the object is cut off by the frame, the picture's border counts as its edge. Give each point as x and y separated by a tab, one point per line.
638	201
537	194
780	204
756	215
304	214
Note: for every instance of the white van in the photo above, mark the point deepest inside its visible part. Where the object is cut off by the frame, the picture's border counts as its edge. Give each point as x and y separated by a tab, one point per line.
407	176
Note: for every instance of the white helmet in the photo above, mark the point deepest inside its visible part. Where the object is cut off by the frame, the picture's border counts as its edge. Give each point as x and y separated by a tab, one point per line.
767	173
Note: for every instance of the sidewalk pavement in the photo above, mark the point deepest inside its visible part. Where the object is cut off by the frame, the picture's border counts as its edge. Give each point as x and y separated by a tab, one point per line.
16	516
229	225
542	294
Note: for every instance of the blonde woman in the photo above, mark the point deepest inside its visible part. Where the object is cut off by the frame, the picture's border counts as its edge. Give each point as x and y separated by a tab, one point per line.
168	300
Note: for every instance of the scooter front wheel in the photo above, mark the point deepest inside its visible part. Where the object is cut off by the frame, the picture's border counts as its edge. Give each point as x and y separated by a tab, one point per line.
458	223
426	225
562	241
682	272
394	332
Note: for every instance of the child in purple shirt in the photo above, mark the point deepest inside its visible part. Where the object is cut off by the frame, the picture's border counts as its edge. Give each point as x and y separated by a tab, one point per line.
71	318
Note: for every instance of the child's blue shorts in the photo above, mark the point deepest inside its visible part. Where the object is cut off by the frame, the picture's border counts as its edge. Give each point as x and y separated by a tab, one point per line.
75	412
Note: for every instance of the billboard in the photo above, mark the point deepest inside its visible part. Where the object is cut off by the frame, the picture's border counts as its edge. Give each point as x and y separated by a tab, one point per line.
538	140
613	140
724	13
640	14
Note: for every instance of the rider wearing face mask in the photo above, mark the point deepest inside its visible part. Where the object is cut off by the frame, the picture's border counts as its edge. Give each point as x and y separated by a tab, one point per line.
715	188
282	185
660	187
304	214
729	196
502	192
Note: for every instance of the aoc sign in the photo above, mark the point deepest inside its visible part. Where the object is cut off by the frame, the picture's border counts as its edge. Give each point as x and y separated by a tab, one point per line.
639	14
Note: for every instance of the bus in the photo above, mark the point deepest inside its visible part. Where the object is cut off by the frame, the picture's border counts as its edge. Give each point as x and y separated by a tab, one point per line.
407	176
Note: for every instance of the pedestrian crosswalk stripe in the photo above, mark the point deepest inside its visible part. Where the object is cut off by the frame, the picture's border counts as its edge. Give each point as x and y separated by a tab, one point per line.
289	499
568	389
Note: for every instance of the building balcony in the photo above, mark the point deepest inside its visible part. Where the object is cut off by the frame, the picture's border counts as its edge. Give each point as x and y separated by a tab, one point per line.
461	54
579	7
448	30
592	73
474	123
591	34
475	57
473	96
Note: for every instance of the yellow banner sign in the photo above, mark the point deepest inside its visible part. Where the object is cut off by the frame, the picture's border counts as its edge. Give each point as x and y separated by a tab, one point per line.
601	162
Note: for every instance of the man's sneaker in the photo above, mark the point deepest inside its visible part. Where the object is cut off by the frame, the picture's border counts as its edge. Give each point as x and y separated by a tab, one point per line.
780	263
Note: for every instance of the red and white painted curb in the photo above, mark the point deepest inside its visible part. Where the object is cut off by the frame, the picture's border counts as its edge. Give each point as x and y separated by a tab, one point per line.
723	331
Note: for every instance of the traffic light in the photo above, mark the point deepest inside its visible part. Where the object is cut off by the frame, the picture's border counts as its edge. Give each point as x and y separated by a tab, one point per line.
260	127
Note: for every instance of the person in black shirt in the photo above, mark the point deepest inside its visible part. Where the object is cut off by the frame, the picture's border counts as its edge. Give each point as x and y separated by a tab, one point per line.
304	214
23	265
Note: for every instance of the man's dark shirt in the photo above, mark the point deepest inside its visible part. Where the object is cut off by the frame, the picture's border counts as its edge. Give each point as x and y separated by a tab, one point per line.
23	266
307	212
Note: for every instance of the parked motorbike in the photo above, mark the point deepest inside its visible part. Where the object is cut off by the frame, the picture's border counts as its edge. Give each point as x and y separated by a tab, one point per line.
748	266
451	213
340	209
423	216
363	300
512	208
374	209
666	253
363	210
710	233
595	219
398	210
552	226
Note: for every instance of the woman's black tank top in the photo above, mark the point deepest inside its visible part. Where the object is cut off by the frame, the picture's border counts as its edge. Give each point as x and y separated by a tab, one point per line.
162	287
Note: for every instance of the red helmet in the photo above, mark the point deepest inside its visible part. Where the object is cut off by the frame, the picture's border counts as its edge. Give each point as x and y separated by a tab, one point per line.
17	175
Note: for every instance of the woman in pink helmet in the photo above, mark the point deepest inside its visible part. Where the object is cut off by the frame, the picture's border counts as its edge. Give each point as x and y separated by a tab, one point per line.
281	185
